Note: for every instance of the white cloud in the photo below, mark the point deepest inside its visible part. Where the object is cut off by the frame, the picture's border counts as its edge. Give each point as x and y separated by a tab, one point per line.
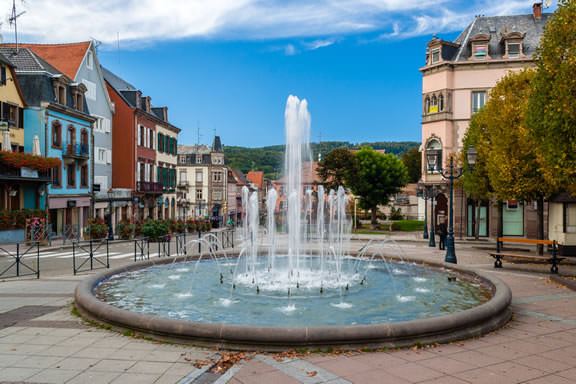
147	21
316	44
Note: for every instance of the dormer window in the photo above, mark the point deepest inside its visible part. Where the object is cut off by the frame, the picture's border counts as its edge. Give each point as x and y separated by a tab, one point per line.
61	95
435	56
480	51
513	50
512	44
479	47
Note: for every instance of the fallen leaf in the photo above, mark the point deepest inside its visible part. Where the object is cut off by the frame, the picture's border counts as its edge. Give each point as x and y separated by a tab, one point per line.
313	373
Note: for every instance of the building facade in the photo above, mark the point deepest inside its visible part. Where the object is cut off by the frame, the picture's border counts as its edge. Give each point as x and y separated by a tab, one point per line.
206	178
57	114
19	187
79	62
456	82
146	165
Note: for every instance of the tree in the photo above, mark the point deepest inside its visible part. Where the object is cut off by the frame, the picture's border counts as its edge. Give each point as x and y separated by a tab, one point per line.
377	178
511	163
477	183
334	167
551	114
412	159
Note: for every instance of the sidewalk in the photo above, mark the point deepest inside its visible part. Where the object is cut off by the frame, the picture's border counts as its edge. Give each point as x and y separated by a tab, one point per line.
42	341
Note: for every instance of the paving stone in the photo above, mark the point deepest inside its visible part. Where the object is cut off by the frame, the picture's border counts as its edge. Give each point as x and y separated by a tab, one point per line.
17	374
374	376
113	365
94	377
413	372
54	375
135	378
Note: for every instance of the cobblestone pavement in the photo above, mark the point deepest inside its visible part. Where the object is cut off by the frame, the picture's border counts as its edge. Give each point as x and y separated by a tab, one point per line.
42	341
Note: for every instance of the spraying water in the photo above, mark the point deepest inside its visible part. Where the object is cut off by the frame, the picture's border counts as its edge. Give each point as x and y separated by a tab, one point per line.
296	269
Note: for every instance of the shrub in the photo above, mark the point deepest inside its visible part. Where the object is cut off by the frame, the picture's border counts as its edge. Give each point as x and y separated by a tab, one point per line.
125	229
96	228
177	226
154	229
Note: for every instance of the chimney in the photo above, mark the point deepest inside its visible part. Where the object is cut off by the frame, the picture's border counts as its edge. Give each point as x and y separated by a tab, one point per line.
537	10
165	113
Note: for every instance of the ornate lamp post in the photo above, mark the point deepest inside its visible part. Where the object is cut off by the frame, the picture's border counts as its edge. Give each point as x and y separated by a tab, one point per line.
451	174
110	228
431	193
420	192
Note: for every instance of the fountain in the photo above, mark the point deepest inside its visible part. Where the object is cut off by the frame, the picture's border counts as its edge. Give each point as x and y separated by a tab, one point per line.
300	288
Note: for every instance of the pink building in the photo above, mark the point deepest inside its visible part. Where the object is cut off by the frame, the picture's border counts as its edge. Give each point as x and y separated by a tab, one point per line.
456	82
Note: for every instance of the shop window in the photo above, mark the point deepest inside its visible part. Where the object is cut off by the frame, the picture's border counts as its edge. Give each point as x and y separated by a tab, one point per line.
570	217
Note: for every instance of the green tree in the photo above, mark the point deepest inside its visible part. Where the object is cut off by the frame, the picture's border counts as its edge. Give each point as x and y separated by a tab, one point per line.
511	163
377	178
412	159
551	114
477	183
334	167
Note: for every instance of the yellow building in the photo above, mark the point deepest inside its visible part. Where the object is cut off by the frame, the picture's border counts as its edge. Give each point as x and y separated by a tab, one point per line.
12	106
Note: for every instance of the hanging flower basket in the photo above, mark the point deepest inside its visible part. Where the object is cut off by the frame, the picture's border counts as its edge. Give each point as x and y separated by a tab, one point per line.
20	159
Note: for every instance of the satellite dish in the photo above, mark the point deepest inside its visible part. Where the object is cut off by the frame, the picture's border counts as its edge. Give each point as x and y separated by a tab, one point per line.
547	3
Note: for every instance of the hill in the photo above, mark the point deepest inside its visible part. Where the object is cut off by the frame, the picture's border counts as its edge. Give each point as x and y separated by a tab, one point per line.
271	159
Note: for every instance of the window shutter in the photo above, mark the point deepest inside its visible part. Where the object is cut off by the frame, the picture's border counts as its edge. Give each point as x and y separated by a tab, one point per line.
139	136
166	148
138	173
109	156
158	175
3	80
159	143
151	139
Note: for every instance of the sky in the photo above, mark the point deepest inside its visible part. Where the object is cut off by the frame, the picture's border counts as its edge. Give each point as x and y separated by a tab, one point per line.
227	67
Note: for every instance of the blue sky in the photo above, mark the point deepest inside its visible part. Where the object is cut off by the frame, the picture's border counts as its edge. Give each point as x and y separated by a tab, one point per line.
228	66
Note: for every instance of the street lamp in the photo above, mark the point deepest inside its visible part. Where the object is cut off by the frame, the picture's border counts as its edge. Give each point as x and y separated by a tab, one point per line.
420	192
431	194
451	174
110	229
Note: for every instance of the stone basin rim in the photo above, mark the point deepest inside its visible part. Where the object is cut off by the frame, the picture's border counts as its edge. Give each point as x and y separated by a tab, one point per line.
469	323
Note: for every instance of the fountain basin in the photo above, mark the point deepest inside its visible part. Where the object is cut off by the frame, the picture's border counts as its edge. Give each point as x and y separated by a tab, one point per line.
472	322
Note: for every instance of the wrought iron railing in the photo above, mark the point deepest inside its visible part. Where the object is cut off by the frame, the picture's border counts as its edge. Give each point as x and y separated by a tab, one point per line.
150	187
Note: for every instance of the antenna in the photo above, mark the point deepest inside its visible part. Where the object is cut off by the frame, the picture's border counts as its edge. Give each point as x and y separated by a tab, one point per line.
13	21
198	133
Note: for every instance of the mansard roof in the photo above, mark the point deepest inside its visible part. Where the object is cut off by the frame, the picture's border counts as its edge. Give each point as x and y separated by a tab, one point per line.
498	26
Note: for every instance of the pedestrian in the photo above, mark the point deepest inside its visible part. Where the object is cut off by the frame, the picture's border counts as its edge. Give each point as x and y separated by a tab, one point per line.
442	232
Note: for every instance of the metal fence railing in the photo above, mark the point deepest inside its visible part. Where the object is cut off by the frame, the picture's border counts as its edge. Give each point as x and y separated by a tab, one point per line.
164	246
90	255
141	249
180	240
22	261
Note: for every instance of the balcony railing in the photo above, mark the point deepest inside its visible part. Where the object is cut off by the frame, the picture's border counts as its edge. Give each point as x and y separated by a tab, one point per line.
77	151
150	187
7	172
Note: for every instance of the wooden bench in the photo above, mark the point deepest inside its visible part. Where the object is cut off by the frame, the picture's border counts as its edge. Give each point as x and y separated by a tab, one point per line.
553	259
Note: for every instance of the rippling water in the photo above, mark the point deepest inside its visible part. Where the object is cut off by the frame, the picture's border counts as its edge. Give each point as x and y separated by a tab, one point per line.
397	293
